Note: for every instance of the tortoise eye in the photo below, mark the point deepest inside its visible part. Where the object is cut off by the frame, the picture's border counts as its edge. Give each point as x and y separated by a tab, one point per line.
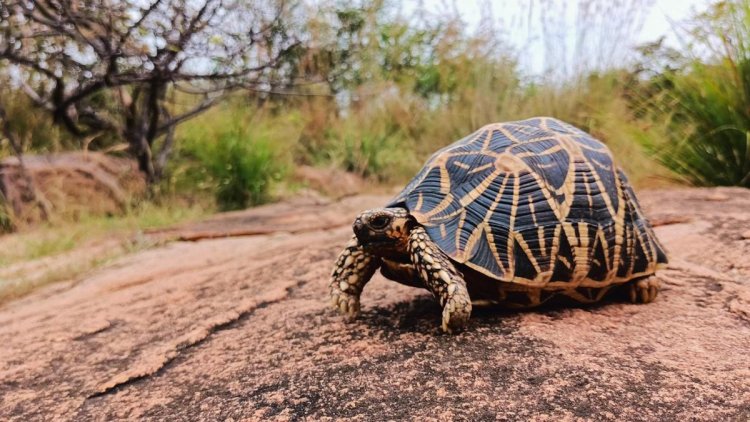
380	222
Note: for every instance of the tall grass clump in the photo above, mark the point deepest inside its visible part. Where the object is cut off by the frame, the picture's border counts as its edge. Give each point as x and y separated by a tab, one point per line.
703	106
379	155
242	166
236	152
6	216
36	130
410	85
373	141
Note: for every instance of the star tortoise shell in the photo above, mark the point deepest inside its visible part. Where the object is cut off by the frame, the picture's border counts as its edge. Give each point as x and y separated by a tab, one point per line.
536	202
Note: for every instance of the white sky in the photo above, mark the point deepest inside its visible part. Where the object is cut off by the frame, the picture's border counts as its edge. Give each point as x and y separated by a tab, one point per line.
667	12
659	18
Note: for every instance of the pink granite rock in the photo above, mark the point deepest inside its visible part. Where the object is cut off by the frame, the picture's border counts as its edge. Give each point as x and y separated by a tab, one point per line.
238	328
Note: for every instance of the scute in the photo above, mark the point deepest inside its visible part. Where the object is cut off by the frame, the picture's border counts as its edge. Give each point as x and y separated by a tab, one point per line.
536	202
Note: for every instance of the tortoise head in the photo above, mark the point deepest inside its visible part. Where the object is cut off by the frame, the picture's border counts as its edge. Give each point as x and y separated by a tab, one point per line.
384	230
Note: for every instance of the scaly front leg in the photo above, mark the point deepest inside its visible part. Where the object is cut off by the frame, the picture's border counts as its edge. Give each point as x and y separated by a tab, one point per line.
354	268
441	278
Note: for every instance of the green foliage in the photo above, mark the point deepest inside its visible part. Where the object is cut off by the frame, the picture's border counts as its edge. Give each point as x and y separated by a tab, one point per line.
385	90
704	105
407	86
384	155
35	129
243	168
6	216
236	153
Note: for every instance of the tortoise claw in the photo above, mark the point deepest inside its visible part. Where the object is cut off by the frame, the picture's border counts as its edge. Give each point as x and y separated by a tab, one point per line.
644	290
456	313
345	304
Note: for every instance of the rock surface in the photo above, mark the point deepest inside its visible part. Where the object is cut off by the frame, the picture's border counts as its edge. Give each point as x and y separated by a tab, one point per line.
238	328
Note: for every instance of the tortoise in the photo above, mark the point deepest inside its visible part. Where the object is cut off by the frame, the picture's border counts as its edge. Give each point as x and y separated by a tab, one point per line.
514	214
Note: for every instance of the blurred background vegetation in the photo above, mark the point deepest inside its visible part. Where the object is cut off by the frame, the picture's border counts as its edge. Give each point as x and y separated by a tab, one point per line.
372	88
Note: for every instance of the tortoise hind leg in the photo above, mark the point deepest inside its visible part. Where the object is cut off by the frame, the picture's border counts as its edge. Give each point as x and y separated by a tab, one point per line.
644	290
441	278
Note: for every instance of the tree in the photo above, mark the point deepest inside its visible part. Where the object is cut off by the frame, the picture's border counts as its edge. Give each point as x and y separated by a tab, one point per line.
115	69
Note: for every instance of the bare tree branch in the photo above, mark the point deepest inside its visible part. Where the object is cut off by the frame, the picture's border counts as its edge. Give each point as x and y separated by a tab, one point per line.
103	67
200	108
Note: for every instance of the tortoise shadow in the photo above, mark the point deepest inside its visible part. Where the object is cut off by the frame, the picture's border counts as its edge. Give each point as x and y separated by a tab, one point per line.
423	313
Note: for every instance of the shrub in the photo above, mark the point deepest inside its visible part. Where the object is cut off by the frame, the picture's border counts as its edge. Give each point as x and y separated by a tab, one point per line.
6	216
382	156
372	143
704	106
242	167
228	154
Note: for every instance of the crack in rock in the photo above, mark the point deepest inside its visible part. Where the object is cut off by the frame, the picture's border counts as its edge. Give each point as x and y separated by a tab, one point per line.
149	367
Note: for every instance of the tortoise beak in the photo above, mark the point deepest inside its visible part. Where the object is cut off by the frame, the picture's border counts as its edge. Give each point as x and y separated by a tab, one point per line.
359	229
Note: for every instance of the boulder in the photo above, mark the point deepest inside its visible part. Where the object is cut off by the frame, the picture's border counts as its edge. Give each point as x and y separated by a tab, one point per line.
68	185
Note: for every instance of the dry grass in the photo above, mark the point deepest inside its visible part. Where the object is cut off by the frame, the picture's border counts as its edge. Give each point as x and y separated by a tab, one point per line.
39	256
47	240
